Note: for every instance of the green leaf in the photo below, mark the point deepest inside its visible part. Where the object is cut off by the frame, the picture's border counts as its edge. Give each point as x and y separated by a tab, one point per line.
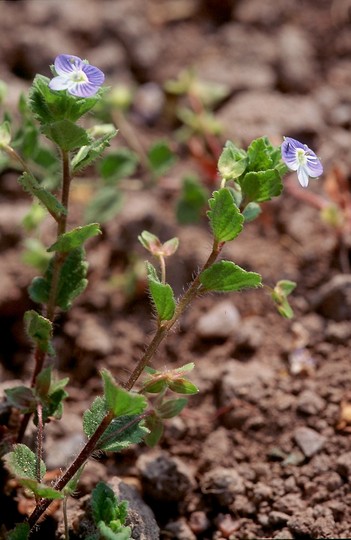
22	463
22	398
225	276
119	401
119	164
87	154
150	242
43	382
49	106
101	496
106	533
280	292
251	212
161	157
192	201
232	162
162	295
260	155
72	484
30	184
156	428
39	330
105	205
20	532
41	490
183	386
262	186
225	217
67	135
5	134
75	238
121	433
72	281
171	407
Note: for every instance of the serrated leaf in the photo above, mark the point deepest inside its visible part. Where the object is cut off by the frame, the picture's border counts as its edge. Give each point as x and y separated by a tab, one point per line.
22	398
232	162
22	463
49	106
41	490
106	507
87	154
251	212
161	157
119	401
155	425
121	433
105	205
225	217
67	135
262	186
161	294
30	184
39	329
171	407
191	202
72	281
225	276
75	238
118	164
20	532
183	386
259	154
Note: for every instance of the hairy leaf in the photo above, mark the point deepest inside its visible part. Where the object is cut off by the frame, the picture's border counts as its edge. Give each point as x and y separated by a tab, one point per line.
39	329
120	401
87	154
75	238
30	184
22	398
225	217
67	135
22	463
232	162
162	295
121	433
41	490
262	186
225	276
171	407
72	281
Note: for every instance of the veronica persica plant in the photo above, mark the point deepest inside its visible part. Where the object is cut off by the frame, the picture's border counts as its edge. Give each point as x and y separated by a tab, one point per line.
300	158
76	76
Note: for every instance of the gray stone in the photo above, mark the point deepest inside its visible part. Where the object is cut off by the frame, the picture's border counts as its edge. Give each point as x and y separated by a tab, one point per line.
333	299
309	440
165	477
219	322
223	484
309	402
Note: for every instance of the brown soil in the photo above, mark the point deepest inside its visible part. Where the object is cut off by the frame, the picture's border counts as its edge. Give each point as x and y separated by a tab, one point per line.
264	450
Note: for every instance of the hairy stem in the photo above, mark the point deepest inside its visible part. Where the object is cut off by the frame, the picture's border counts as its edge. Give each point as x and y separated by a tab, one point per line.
59	259
166	326
159	336
40	437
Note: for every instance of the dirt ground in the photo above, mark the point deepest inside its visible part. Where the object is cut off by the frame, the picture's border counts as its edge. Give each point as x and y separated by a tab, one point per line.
263	451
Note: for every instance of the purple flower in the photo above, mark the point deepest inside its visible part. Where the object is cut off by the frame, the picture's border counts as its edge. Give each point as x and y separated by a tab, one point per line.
77	76
298	157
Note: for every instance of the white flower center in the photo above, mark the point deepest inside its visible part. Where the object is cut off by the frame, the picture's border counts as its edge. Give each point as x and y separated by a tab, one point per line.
301	156
78	76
